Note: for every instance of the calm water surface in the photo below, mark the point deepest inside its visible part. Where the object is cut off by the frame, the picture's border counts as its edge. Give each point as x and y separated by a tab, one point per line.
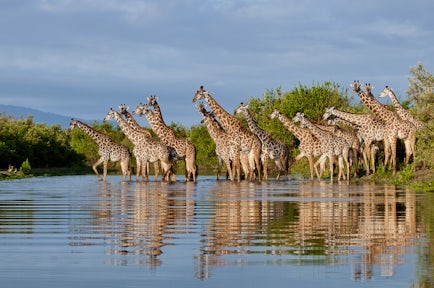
75	231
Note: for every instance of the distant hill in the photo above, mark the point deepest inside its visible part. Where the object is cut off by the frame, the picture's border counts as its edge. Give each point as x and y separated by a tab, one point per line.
38	116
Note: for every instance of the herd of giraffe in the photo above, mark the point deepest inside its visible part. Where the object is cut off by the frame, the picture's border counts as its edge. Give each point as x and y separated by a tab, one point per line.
249	149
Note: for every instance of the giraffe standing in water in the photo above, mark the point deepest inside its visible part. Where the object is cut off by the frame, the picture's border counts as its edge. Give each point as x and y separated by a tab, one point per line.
271	148
330	146
399	129
369	129
108	150
309	147
184	148
145	148
226	148
123	109
249	142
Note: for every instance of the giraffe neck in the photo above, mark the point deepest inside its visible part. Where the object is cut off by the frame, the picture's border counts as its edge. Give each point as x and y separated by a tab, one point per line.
395	101
130	132
213	127
291	126
345	122
227	120
131	121
357	119
157	109
402	112
97	136
159	127
376	107
253	125
320	134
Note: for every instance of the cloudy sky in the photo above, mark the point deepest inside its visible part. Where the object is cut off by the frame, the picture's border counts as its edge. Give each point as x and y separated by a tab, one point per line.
80	57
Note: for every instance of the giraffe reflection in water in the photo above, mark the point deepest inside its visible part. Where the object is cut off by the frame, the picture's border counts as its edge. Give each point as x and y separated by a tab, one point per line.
140	223
368	227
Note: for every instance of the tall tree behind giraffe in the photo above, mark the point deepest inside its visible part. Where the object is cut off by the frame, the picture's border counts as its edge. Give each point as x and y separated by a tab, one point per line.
108	150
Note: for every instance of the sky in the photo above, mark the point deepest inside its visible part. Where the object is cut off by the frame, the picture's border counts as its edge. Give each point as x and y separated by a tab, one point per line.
79	58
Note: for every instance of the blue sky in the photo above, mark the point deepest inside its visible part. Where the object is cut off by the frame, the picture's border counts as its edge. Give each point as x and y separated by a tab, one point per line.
79	57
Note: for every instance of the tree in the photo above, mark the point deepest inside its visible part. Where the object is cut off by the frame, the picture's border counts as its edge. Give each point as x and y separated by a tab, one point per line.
421	91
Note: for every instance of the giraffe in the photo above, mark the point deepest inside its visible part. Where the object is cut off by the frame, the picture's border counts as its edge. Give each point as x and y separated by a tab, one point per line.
370	130
330	146
184	148
250	143
400	129
309	147
352	139
145	148
226	147
123	109
403	113
271	148
108	150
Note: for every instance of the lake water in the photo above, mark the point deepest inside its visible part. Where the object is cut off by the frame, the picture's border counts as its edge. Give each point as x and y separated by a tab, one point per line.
75	231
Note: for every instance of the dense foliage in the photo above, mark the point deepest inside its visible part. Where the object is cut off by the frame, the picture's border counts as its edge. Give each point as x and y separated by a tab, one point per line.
421	91
41	146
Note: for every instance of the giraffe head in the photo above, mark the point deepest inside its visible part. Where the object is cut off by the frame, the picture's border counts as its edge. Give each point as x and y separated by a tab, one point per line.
110	115
329	112
387	91
152	100
355	86
331	119
299	117
368	89
139	109
242	108
275	114
200	94
142	109
72	124
123	109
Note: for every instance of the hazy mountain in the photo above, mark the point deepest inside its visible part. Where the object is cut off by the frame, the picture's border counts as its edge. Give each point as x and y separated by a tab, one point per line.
38	116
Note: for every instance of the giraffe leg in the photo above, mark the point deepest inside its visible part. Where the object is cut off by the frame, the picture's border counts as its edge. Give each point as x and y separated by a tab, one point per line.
236	165
331	168
124	168
144	170
219	167
105	170
393	156
229	168
409	144
244	158
95	165
264	160
321	161
157	169
367	156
